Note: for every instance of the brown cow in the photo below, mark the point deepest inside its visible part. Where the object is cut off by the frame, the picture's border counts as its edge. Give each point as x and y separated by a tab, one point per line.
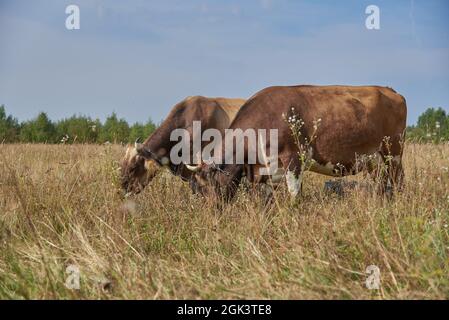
142	161
354	122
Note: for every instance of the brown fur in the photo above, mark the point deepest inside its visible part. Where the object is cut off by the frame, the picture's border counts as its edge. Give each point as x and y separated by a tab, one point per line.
355	121
137	170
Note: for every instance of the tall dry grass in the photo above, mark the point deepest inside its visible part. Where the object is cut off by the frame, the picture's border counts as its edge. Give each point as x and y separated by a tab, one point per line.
59	206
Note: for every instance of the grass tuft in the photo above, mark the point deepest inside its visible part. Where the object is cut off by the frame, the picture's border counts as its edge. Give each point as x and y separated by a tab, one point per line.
60	206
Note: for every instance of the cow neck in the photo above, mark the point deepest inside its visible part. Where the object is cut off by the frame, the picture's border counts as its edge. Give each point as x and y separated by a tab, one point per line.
161	139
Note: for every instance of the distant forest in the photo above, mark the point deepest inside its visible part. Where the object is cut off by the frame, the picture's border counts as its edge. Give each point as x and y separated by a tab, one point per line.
432	126
76	129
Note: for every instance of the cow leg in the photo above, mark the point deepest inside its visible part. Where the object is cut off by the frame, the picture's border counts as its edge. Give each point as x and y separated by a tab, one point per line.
389	172
394	163
391	177
193	185
377	170
394	173
266	193
261	184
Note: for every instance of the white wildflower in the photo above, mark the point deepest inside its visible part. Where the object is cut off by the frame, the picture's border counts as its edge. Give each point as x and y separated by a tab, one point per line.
65	138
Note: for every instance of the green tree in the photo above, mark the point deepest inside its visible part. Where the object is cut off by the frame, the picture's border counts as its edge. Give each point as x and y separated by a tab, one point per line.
141	131
9	127
78	129
114	130
433	125
39	130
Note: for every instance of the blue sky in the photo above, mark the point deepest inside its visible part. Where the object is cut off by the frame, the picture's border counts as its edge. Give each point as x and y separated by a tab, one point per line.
138	58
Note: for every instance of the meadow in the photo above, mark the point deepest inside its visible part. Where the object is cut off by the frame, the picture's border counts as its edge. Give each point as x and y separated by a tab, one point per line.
60	206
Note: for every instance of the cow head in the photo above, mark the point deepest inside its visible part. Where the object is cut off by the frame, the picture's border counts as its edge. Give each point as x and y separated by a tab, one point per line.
201	181
211	180
136	171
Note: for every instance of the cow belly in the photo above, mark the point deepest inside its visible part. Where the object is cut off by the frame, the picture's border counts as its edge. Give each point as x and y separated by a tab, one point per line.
328	169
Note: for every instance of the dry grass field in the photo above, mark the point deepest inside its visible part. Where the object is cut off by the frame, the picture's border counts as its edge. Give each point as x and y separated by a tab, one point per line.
60	206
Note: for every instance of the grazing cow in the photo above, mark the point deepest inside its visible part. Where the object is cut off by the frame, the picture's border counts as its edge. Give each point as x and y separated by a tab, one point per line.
143	161
355	121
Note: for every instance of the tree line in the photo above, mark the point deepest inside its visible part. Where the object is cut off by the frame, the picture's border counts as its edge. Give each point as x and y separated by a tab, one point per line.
76	129
432	126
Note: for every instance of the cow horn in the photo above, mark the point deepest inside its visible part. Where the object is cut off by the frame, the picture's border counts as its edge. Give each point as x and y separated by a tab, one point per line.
138	146
142	150
192	168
